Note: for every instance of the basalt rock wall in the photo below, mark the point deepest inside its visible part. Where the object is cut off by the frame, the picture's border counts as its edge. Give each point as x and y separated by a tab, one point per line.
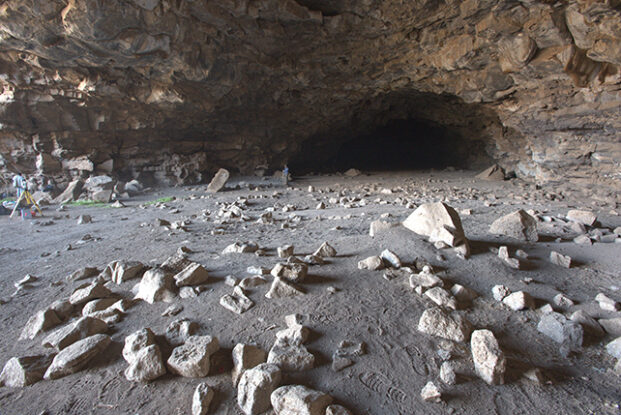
170	90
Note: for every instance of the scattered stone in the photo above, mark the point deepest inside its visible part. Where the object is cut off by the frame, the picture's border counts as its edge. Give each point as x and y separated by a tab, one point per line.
500	292
246	357
295	272
156	285
390	259
172	310
41	321
236	302
75	357
231	281
180	330
291	358
583	217
378	226
23	371
352	172
611	325
519	225
203	395
146	365
588	323
84	219
431	393
463	294
71	193
441	297
425	279
607	303
62	308
535	375
83	273
256	386
503	253
299	400
193	274
295	334
436	322
566	332
583	240
561	301
218	181
84	327
614	348
241	248
192	358
162	222
136	342
560	259
489	360
314	260
121	271
492	173
439	222
281	288
325	250
285	251
337	410
519	300
88	292
447	373
372	263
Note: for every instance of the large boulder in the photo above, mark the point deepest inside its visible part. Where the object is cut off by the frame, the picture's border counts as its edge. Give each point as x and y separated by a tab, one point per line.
76	356
440	223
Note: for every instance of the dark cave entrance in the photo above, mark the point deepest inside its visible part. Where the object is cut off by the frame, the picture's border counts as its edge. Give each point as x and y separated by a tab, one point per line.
398	145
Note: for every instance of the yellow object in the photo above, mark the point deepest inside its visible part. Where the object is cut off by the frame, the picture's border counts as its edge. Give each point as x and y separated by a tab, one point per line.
27	197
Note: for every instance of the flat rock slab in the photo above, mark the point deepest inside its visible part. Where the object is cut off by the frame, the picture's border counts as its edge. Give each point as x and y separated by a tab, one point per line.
218	181
82	328
193	274
77	356
26	370
41	321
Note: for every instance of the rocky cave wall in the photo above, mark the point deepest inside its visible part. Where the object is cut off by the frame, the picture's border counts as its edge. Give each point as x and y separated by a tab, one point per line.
172	89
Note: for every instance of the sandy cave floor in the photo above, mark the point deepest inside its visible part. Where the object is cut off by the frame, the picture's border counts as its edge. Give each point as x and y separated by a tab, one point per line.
366	307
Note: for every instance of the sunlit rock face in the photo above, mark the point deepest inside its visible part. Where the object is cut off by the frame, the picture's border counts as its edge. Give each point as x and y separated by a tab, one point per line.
169	90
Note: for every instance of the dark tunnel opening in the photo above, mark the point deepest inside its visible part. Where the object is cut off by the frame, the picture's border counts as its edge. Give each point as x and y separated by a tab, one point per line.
399	144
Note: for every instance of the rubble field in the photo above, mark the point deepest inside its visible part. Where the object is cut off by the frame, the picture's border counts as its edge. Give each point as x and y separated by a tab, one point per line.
384	293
